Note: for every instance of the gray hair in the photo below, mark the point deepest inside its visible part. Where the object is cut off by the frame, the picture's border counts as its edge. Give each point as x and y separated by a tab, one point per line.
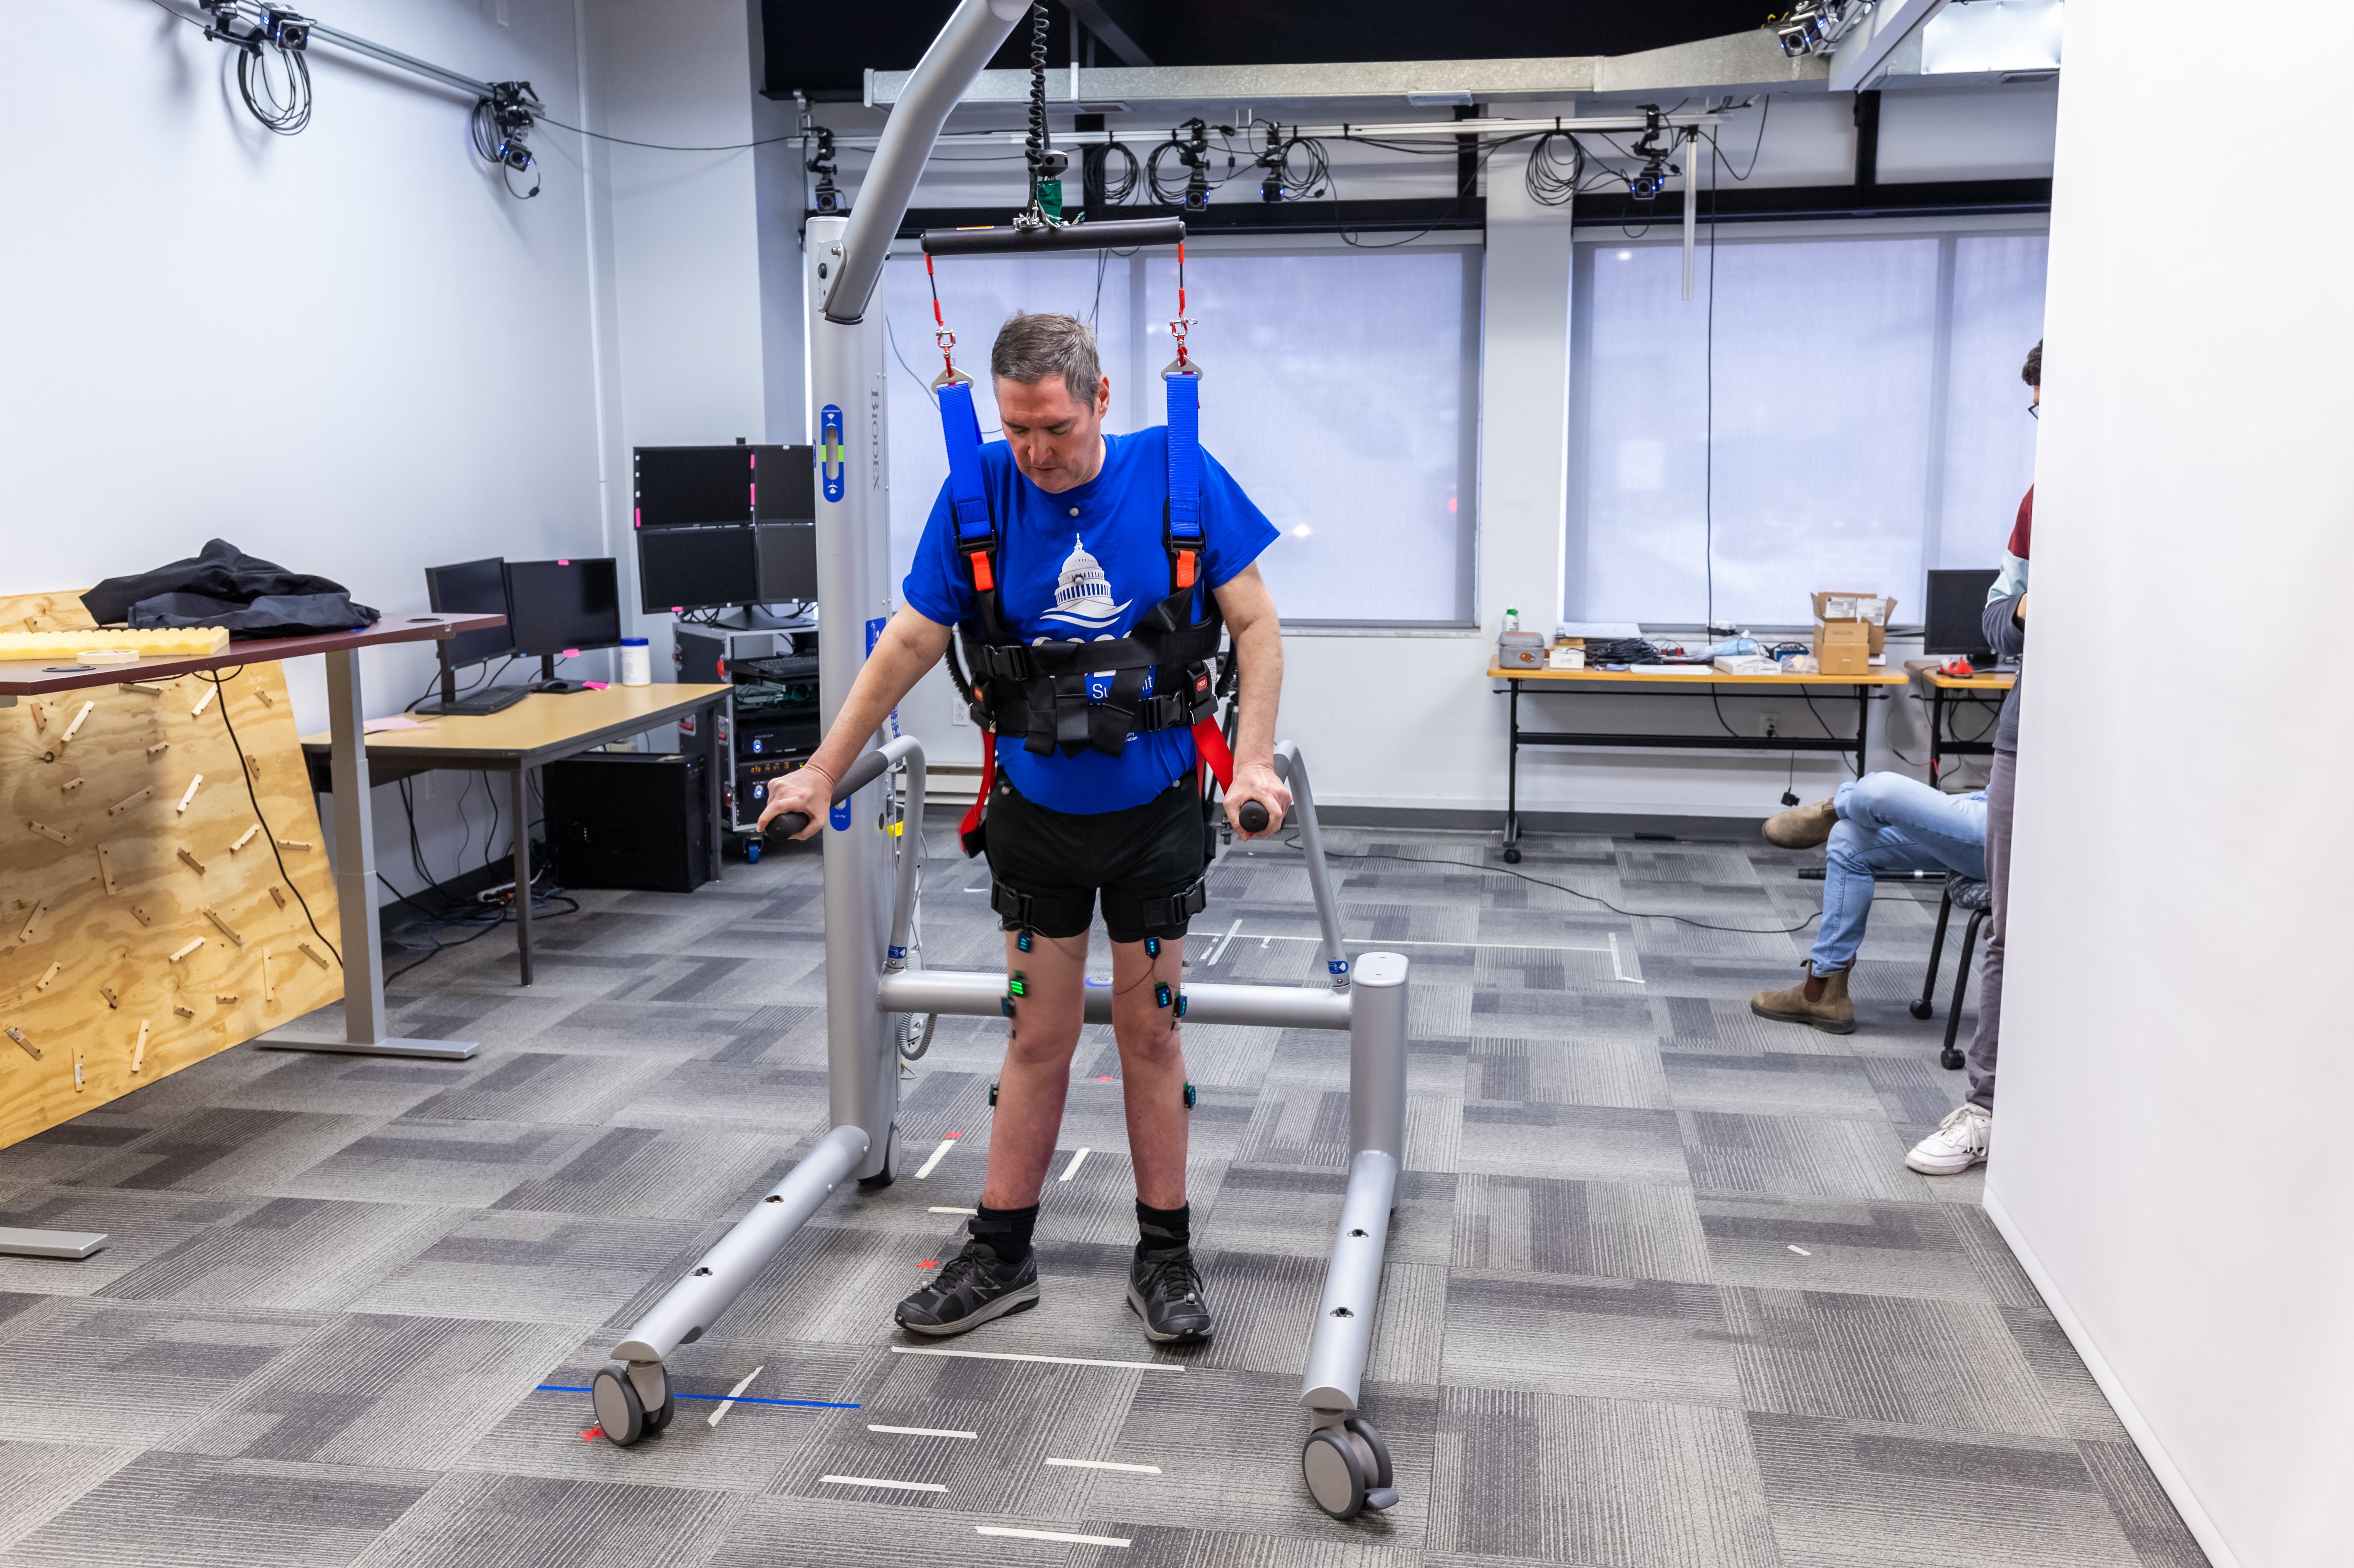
1031	348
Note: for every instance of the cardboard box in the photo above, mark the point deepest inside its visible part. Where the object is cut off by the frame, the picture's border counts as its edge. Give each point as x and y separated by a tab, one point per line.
1873	609
1843	647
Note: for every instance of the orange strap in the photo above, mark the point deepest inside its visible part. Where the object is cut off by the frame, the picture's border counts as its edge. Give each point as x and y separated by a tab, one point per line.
982	578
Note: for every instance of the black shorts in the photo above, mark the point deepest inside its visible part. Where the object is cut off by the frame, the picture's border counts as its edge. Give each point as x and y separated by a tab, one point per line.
1143	860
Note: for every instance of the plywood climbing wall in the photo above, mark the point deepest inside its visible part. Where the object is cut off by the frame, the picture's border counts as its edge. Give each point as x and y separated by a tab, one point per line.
145	920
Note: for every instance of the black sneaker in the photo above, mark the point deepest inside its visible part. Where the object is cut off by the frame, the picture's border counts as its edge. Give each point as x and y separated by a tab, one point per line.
972	1288
1165	1289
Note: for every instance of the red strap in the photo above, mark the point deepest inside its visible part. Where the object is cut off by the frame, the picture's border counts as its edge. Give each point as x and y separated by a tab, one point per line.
1209	741
984	579
1184	573
971	823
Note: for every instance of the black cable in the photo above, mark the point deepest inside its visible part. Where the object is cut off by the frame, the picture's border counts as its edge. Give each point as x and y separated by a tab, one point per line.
666	147
221	701
288	117
1039	144
1755	149
1547	184
1562	888
1856	766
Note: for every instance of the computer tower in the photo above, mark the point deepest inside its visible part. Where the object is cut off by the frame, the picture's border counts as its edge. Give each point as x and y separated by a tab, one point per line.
635	819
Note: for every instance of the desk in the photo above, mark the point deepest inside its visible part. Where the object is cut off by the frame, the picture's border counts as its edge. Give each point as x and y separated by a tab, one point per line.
365	1028
1948	694
542	728
1695	680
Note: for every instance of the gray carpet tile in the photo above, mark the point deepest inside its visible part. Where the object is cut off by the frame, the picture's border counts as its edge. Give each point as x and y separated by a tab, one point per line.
191	1511
1660	1292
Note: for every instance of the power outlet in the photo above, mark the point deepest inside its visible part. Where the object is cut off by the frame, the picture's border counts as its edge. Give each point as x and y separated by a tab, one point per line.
1769	725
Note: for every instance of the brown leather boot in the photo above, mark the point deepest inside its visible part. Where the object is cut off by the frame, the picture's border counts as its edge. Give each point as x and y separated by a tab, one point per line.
1801	827
1831	1012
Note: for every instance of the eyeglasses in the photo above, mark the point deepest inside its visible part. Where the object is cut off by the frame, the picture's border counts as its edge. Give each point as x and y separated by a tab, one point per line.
2034	410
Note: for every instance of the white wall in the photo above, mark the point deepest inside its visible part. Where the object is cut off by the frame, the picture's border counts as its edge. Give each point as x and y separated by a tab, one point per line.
681	233
348	351
2169	1160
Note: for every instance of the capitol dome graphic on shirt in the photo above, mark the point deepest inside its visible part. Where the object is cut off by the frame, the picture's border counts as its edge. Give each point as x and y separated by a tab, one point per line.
1083	594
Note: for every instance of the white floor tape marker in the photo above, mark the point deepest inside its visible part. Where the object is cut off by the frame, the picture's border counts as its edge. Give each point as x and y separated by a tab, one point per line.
937	1155
887	1486
1051	1535
1106	1464
941	1211
734	1394
1050	1360
920	1432
1802	1252
1232	931
1073	1168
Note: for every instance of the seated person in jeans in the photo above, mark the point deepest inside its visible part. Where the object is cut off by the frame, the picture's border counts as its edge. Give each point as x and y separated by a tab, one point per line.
1879	823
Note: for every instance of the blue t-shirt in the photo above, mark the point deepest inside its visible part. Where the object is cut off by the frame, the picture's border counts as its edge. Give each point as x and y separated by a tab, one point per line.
1087	564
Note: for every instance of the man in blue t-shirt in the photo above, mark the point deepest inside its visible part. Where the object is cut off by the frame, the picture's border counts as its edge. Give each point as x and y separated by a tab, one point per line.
1097	792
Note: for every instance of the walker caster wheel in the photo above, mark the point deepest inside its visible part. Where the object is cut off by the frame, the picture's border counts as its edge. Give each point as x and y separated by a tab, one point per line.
1512	854
1950	1060
1923	1009
752	852
619	1412
1348	1469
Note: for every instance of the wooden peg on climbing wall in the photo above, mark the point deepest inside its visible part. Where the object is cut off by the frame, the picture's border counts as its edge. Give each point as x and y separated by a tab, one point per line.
244	838
139	1051
193	785
213	916
74	728
128	800
49	976
196	863
46	832
277	897
211	691
25	1045
192	944
311	954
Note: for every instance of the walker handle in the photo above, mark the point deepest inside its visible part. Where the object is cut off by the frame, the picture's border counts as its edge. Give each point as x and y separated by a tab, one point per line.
1252	818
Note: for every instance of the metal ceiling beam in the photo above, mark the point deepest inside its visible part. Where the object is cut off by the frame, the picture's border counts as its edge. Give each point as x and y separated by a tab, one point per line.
1861	57
1741	62
1109	32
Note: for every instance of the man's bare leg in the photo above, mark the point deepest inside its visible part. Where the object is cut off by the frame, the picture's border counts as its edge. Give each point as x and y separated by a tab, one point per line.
1037	1077
1152	1067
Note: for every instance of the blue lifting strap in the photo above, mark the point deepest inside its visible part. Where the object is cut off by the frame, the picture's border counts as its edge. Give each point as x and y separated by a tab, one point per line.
968	488
1184	459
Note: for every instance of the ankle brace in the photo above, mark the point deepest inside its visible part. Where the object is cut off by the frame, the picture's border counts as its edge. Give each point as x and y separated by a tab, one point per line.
1005	1231
1161	1229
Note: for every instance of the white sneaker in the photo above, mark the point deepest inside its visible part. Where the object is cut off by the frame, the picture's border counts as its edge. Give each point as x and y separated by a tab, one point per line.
1960	1141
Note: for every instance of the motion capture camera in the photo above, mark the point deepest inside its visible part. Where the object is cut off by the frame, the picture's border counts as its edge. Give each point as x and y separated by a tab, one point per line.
825	198
285	29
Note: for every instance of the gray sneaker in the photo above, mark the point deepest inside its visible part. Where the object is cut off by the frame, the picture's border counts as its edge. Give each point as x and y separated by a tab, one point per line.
972	1288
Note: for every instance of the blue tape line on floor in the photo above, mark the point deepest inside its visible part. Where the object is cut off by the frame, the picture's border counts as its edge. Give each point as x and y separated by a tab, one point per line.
713	1398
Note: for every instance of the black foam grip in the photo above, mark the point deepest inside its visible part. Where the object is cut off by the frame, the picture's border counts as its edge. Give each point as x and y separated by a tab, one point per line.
786	826
1253	817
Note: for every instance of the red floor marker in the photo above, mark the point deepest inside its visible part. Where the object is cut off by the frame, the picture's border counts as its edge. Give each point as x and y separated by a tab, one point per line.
1105	1080
592	1434
929	1263
952	1135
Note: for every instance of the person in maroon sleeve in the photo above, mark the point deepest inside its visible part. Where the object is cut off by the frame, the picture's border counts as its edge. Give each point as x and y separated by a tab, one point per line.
1962	1139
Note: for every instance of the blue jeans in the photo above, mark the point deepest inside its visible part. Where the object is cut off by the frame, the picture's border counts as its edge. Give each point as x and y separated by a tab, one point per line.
1890	822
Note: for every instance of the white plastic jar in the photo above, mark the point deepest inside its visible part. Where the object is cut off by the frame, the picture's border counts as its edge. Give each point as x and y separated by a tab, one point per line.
637	662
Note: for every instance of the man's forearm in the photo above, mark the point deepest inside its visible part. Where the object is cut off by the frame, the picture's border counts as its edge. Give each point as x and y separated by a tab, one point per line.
1260	648
891	671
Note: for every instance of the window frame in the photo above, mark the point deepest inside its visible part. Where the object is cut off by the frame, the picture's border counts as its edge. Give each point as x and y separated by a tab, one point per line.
1587	241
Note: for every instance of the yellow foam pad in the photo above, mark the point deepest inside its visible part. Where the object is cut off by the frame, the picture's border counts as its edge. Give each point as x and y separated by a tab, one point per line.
149	643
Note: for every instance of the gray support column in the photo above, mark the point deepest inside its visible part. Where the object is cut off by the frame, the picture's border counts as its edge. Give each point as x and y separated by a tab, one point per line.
361	936
854	530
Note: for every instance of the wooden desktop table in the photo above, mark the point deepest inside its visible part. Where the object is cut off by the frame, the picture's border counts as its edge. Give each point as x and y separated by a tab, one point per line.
1948	694
364	1029
1698	680
542	728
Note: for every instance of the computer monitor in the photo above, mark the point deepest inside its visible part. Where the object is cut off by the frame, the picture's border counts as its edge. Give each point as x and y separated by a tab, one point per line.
697	568
696	487
788	554
559	608
1955	622
481	587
